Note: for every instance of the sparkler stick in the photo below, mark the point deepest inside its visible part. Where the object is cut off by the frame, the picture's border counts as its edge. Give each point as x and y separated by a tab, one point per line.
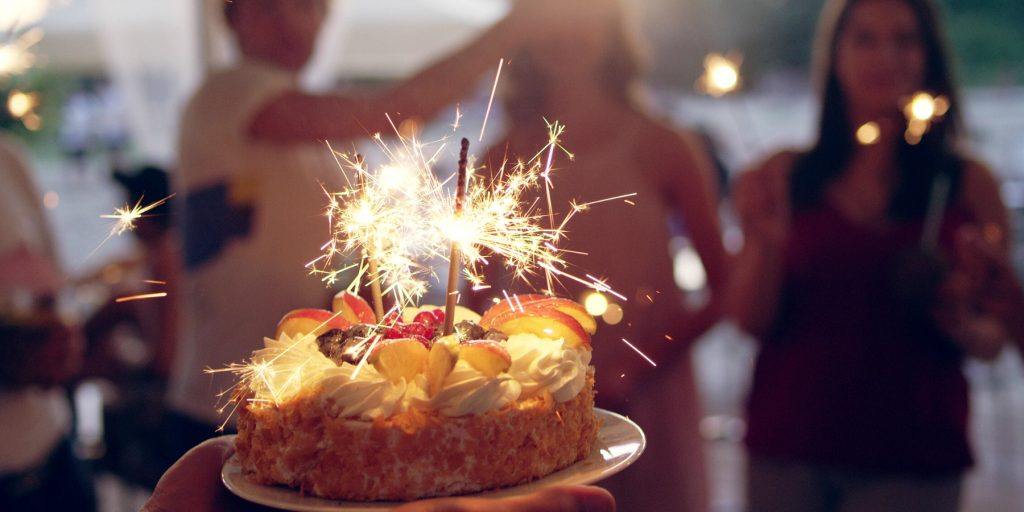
371	261
455	259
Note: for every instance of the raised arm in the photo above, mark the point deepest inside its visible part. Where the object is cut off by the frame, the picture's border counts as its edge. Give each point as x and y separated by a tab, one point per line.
299	117
762	202
683	169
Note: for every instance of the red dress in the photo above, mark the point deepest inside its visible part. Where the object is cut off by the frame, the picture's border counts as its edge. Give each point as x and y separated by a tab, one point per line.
845	379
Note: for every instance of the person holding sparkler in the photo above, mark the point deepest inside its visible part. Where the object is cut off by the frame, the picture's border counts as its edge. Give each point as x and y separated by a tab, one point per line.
250	201
851	276
587	79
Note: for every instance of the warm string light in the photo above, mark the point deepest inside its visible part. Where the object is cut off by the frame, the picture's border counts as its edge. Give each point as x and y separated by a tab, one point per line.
868	133
721	74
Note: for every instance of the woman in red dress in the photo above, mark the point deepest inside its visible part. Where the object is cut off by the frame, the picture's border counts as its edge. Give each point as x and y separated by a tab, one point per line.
864	316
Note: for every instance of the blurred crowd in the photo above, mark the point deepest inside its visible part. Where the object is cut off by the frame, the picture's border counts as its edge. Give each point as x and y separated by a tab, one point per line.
874	262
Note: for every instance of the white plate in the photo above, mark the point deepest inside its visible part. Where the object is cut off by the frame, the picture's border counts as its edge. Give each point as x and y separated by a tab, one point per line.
619	443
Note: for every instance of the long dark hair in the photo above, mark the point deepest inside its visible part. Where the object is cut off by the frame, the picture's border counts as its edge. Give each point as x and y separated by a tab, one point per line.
918	165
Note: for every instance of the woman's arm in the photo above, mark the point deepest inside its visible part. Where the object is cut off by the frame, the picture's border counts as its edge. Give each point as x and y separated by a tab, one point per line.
763	206
983	304
299	117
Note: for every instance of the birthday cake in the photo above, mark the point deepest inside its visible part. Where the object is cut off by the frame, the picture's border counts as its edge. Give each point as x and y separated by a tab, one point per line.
344	405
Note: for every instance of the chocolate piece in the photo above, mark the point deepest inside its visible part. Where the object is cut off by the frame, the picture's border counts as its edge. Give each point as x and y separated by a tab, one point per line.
495	335
469	330
345	346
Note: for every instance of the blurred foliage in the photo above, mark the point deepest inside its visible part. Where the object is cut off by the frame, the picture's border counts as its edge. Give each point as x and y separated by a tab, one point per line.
775	37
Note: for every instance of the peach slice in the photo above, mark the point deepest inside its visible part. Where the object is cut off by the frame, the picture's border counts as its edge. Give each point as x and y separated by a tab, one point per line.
309	321
487	356
442	358
545	323
399	359
353	308
569	307
509	304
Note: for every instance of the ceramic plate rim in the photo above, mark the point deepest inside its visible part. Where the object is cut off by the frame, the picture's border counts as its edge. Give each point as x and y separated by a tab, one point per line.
233	481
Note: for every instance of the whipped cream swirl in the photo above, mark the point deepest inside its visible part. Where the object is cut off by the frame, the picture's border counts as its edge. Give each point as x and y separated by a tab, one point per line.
547	365
468	391
368	396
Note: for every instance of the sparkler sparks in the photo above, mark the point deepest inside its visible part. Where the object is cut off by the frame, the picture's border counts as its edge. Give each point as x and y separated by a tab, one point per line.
921	112
638	351
141	296
404	216
490	102
126	217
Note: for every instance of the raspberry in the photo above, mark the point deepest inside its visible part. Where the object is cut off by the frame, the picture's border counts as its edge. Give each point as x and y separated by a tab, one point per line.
425	318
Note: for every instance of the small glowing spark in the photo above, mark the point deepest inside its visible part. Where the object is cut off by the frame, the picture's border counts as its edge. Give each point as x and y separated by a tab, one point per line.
669	338
141	296
153	281
126	216
490	102
721	74
458	118
638	351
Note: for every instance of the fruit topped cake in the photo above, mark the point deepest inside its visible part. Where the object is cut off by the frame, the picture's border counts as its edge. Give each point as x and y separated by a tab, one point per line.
347	406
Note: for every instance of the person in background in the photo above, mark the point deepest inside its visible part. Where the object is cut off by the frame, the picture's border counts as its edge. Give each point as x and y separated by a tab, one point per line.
250	185
156	268
131	344
193	483
865	318
38	354
588	80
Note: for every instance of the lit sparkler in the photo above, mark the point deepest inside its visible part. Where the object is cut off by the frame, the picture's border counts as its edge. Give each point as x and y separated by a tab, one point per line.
126	217
921	111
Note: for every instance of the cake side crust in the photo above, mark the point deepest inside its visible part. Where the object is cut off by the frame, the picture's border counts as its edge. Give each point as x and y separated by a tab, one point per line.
414	454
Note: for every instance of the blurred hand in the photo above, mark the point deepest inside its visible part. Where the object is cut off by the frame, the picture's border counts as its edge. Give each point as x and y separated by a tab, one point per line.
193	484
763	204
981	301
